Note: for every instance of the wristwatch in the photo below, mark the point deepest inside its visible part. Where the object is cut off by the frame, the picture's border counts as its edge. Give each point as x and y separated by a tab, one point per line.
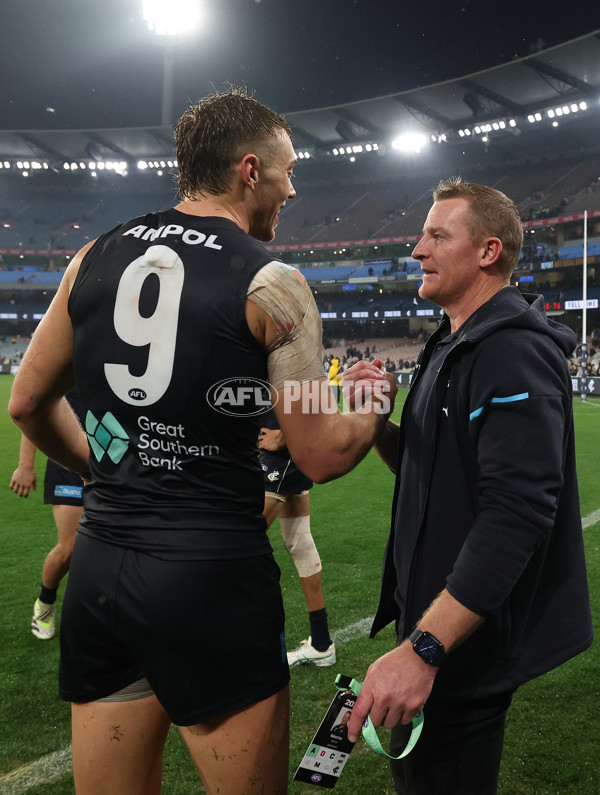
428	647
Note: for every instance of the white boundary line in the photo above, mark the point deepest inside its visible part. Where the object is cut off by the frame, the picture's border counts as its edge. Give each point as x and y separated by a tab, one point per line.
42	771
590	519
58	763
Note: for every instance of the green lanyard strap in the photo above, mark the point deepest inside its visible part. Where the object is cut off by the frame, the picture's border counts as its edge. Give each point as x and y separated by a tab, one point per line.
372	740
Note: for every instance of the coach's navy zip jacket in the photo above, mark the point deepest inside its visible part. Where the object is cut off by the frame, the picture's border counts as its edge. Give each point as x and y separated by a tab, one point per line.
486	501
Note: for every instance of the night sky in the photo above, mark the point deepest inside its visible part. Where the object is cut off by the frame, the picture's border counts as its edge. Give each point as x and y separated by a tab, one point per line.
93	63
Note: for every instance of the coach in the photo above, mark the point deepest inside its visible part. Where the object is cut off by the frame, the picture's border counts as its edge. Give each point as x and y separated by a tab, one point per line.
484	572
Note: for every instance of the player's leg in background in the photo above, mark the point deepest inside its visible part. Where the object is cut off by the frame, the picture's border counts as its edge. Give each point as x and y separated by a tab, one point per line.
56	565
118	746
58	560
272	509
294	518
245	752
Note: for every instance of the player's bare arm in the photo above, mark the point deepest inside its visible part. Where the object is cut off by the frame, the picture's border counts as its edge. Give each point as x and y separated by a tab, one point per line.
37	404
24	478
324	443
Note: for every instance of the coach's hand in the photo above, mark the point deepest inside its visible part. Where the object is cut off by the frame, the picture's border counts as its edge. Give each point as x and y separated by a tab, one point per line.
396	687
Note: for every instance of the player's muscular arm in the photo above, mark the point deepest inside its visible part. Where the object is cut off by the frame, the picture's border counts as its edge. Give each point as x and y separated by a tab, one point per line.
37	404
323	442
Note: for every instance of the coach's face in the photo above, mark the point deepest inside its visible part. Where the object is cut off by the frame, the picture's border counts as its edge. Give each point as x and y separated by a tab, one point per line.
450	261
273	186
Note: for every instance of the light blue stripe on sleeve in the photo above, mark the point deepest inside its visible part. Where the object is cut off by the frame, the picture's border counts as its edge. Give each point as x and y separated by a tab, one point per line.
509	399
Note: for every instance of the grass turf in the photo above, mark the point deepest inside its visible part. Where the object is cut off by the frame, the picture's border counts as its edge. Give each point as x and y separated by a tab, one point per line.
552	732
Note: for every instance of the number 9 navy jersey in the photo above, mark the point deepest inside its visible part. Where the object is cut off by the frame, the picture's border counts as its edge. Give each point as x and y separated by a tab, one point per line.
172	386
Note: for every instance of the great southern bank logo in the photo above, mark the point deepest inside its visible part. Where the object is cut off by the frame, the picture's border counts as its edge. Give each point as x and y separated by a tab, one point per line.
240	397
106	436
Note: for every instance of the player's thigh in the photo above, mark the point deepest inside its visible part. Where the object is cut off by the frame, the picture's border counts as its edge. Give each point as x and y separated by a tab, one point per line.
296	505
118	746
245	751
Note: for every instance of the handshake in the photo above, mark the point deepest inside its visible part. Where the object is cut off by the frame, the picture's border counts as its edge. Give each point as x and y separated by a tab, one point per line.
366	384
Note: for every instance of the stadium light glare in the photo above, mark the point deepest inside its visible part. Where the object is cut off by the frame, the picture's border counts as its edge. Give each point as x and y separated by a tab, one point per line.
173	18
583	105
551	113
409	142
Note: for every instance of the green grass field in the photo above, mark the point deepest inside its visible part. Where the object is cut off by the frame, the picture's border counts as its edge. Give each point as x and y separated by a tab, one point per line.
553	734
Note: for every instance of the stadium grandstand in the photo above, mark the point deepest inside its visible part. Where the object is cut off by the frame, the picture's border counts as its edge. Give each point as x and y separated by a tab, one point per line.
364	180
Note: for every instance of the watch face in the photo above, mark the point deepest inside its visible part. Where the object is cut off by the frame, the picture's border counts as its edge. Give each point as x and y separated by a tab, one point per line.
428	648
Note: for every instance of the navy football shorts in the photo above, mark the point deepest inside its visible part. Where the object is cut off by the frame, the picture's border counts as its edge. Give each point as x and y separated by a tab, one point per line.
282	476
207	635
61	486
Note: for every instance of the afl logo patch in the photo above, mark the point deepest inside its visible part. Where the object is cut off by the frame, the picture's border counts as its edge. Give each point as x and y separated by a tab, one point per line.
137	394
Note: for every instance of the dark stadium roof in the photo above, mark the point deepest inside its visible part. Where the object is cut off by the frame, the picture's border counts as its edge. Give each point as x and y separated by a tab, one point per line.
566	73
561	75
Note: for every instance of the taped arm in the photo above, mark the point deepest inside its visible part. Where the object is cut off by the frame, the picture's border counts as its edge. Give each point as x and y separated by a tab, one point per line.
284	318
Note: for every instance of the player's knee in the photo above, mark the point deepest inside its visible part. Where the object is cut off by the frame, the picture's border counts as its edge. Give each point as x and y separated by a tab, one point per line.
299	542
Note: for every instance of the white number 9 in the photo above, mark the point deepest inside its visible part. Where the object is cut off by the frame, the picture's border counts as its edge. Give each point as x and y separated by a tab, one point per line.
159	330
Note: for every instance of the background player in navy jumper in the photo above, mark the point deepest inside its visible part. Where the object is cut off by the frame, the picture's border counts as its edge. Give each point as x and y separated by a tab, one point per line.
173	609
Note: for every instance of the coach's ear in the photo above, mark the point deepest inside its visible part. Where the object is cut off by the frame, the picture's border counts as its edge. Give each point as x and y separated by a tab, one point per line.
490	251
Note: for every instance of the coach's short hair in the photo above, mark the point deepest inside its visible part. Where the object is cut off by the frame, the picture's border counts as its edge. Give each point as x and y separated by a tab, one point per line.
211	135
491	213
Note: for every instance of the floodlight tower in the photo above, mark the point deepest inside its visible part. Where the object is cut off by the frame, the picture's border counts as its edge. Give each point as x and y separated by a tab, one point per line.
170	20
